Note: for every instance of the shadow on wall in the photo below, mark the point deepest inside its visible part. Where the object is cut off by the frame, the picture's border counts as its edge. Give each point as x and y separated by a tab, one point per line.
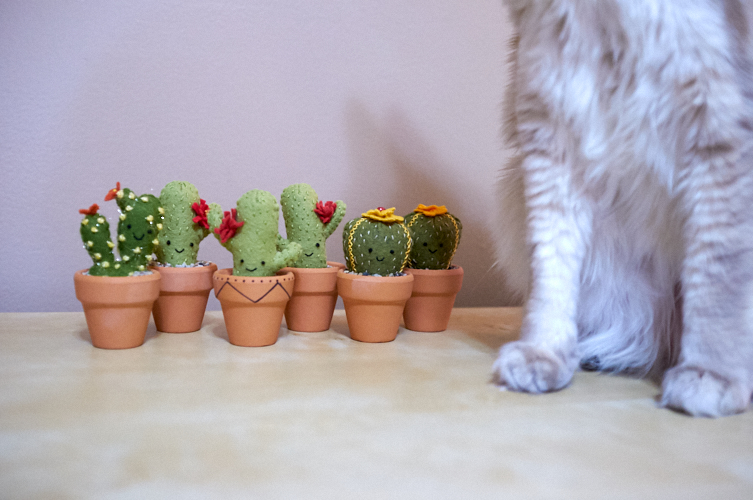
392	165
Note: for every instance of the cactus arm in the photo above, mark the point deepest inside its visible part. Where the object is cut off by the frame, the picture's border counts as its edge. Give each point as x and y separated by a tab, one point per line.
337	217
214	218
95	233
289	252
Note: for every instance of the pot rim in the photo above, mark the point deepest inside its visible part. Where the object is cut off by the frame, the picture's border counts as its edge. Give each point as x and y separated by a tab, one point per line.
452	270
184	270
341	274
79	275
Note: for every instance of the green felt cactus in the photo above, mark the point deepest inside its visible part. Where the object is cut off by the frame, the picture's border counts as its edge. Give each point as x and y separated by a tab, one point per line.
139	224
185	224
309	222
436	234
377	243
250	233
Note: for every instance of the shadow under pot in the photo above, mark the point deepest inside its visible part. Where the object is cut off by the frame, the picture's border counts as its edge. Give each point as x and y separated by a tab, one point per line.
252	306
183	297
117	308
374	304
432	299
314	298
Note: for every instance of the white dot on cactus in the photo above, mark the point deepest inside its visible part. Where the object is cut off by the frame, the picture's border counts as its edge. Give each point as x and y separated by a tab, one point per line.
121	237
119	194
85	222
137	250
141	268
90	243
129	208
161	211
150	218
144	199
94	230
111	244
126	258
98	256
155	241
122	217
101	220
117	266
159	226
107	264
131	195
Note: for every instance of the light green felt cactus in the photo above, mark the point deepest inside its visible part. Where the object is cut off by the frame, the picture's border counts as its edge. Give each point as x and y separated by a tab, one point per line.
436	235
185	224
377	243
250	234
139	224
309	222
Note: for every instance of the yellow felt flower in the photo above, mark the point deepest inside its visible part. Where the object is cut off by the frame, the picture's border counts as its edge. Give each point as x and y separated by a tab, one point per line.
431	210
383	215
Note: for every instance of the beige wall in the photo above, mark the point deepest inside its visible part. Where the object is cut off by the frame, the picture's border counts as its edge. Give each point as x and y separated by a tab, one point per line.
387	102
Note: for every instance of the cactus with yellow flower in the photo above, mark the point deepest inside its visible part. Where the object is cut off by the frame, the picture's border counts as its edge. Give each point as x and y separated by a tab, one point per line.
436	235
140	221
377	243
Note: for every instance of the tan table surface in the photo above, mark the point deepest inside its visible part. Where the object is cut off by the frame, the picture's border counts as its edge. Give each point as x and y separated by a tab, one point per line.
322	416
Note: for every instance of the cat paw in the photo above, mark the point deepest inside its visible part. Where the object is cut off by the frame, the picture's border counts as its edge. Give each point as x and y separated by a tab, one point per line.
703	393
524	367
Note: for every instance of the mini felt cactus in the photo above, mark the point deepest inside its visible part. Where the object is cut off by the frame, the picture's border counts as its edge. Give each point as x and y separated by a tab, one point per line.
185	224
377	243
250	234
139	224
436	234
309	222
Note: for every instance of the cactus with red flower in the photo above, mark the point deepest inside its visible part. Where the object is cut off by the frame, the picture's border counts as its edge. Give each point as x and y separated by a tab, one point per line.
185	224
310	222
250	234
139	223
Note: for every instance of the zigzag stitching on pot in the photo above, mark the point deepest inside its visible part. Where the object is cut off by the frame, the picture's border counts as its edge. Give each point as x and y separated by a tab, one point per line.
249	298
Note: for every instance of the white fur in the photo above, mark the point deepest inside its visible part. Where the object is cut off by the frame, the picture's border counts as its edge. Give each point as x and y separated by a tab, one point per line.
627	217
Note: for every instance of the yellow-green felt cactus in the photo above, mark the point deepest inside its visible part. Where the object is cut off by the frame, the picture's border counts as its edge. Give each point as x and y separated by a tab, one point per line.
185	224
250	234
309	222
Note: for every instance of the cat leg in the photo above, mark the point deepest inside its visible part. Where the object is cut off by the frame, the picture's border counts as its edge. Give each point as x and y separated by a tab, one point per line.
545	357
714	376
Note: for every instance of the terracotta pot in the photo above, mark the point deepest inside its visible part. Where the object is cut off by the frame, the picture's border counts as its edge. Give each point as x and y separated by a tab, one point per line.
430	304
117	308
252	306
373	304
314	297
183	297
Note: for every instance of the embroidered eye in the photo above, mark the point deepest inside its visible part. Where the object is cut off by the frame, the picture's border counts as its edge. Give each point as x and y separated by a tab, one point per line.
191	244
392	251
263	263
241	261
317	245
370	250
168	242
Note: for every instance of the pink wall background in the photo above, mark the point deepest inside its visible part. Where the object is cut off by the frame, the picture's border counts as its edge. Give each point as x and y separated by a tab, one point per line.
387	102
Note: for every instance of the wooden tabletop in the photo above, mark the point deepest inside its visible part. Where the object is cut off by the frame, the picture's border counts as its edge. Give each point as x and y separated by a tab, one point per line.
322	416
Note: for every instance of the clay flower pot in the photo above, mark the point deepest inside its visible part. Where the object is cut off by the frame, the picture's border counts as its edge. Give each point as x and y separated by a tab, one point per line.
430	304
252	306
117	309
314	297
183	297
373	304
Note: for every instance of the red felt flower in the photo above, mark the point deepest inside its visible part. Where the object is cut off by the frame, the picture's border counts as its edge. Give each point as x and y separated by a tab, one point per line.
89	211
113	192
325	210
200	209
229	226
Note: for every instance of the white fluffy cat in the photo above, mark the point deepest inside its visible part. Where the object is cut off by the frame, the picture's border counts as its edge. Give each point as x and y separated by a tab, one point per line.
628	211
